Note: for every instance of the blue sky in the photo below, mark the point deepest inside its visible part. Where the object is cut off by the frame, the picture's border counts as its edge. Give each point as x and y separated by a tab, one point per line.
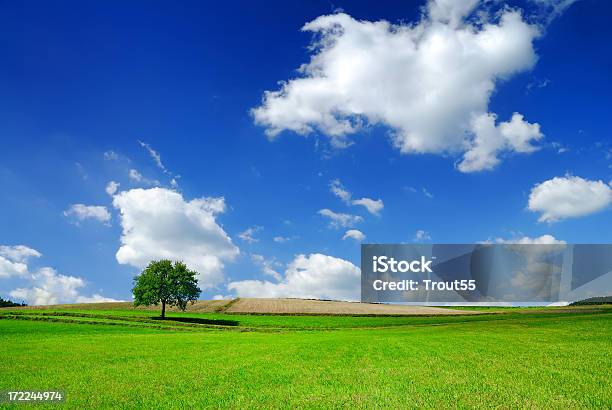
84	83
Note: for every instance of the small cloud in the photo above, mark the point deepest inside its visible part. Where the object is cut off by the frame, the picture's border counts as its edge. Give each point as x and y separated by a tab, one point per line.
537	84
267	266
413	190
158	162
137	177
154	155
338	220
111	155
248	235
526	240
340	191
281	239
373	206
559	147
222	297
112	187
354	234
421	236
81	212
81	170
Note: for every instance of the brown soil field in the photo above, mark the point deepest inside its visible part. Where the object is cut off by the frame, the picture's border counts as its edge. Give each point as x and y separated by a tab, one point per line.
328	307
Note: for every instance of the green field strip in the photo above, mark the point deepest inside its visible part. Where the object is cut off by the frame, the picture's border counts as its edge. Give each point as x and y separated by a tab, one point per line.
66	317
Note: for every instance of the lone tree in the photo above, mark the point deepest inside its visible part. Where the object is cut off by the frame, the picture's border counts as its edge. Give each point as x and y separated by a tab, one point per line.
166	283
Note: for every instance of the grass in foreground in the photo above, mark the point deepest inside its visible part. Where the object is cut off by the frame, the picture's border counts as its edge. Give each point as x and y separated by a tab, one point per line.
516	359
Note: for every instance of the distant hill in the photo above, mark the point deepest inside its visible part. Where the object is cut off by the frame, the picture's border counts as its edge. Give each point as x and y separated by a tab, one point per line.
599	300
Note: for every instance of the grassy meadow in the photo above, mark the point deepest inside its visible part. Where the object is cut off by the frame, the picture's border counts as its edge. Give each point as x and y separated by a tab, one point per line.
101	358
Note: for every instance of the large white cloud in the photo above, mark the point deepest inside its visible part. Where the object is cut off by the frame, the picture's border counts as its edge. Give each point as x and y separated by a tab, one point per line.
44	286
314	276
159	223
430	82
568	197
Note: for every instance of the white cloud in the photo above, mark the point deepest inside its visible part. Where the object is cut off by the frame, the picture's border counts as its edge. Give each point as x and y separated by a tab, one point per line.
339	220
154	155
267	266
374	206
536	272
427	194
214	205
19	253
354	234
315	276
157	159
46	285
111	187
137	177
568	197
429	82
95	298
51	287
282	239
13	260
222	297
111	155
551	9
421	236
159	223
248	234
490	139
81	212
81	170
340	191
10	268
526	240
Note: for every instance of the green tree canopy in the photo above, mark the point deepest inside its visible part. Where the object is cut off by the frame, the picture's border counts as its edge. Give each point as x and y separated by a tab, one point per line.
168	283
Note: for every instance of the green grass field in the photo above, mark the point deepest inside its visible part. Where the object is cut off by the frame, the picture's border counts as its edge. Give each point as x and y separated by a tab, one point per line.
551	358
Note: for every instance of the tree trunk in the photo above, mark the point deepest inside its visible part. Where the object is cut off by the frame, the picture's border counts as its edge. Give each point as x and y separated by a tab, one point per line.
163	309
